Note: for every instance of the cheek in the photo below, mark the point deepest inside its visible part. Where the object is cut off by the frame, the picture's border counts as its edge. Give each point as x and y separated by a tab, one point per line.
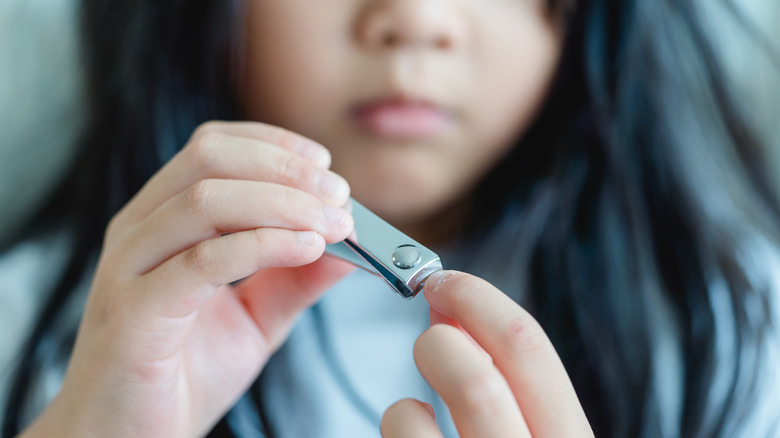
515	70
285	83
308	82
512	76
275	85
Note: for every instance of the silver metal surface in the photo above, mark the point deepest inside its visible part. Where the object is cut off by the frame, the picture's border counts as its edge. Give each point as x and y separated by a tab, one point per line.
406	256
377	247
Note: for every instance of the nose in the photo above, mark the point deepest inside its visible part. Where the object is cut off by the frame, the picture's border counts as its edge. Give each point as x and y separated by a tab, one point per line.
396	24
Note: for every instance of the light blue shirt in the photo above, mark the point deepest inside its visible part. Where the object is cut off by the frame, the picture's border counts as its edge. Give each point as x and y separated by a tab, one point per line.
350	357
366	365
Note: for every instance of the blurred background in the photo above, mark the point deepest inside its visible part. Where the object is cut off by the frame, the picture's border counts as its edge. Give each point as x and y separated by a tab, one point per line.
41	90
755	74
41	102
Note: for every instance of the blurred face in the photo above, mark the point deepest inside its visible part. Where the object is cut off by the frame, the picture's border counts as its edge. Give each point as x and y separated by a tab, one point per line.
416	99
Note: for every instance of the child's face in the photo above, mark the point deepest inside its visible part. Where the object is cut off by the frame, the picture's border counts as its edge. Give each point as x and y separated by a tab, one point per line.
416	99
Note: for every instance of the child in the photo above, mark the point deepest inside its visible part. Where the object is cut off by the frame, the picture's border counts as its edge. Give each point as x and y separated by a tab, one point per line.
585	157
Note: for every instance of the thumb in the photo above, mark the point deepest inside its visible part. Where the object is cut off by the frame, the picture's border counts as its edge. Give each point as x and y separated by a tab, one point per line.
275	297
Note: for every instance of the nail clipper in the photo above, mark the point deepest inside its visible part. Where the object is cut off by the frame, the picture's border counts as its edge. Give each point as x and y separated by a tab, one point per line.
386	252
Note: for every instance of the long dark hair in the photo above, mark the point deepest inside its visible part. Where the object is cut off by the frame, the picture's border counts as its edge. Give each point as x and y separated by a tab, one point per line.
642	187
636	188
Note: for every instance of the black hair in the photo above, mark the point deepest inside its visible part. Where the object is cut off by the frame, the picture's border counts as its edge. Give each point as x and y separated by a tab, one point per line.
639	183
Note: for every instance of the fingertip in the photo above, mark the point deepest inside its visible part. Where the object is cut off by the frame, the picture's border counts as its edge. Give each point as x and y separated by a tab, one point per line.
437	279
432	287
310	238
338	233
428	407
353	234
447	290
340	224
333	188
314	152
312	246
349	224
431	283
449	331
409	417
431	340
292	248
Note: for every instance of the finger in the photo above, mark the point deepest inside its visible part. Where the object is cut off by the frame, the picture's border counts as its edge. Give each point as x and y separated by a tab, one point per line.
438	318
283	293
215	207
221	156
181	285
409	418
479	398
520	350
306	148
274	297
216	155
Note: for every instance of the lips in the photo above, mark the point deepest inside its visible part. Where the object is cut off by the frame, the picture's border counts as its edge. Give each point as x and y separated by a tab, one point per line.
401	118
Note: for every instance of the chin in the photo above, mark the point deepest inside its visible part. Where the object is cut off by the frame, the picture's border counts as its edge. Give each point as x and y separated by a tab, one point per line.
401	208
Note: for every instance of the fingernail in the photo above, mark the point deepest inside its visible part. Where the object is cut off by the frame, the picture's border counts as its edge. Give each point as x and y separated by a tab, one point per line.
333	186
308	238
335	216
433	280
313	152
430	409
353	236
348	205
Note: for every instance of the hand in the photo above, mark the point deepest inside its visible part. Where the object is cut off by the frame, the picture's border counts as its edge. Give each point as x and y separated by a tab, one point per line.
493	366
166	344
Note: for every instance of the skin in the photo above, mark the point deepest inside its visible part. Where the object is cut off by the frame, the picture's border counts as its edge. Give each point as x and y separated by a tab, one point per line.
488	64
166	344
493	366
169	341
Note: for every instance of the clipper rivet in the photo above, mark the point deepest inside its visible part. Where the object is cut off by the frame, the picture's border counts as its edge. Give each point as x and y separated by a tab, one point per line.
406	256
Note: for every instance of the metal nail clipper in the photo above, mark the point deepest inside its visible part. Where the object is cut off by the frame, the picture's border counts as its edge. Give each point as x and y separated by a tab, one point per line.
386	252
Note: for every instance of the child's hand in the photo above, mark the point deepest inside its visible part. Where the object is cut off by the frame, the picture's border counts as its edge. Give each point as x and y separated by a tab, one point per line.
492	364
166	344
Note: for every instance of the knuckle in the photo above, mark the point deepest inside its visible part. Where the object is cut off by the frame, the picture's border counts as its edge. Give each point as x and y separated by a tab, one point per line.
306	171
116	229
481	392
203	149
113	227
280	136
148	371
198	197
260	236
293	169
205	128
289	196
522	335
199	258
